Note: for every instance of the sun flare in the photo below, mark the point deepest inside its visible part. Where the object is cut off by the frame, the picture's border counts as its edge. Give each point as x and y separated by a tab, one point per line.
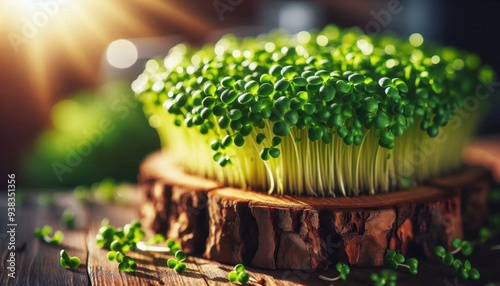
50	34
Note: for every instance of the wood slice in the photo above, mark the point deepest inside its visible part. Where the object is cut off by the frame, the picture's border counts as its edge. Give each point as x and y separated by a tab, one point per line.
282	232
175	202
473	185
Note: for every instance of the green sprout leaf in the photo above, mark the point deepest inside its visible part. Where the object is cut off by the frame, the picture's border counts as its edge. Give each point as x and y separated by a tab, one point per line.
68	219
45	234
351	90
464	270
343	270
68	262
393	260
385	278
238	275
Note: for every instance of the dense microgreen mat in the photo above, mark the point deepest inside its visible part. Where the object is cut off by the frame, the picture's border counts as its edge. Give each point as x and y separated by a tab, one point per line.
322	113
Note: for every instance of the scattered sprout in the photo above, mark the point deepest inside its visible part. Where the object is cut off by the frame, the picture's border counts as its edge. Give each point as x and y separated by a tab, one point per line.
125	263
461	246
446	257
105	191
46	199
494	195
156	239
385	278
485	234
45	234
120	241
68	219
177	263
492	230
463	270
173	245
69	262
343	270
394	260
238	275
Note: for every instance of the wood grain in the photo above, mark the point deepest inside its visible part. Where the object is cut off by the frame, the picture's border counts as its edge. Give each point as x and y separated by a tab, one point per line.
38	262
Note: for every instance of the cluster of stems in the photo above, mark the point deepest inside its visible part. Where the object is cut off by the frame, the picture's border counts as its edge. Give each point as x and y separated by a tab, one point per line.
333	112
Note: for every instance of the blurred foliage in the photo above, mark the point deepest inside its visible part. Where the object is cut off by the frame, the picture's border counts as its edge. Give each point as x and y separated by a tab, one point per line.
95	135
106	191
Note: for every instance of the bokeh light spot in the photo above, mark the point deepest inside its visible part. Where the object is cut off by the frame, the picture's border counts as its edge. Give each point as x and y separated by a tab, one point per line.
416	40
122	54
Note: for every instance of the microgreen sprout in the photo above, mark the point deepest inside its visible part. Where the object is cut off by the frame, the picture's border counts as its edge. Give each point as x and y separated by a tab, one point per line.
385	278
156	239
68	219
105	191
464	269
46	199
487	233
394	260
125	263
45	234
461	246
285	114
172	246
177	263
238	275
343	270
446	257
120	241
494	195
66	261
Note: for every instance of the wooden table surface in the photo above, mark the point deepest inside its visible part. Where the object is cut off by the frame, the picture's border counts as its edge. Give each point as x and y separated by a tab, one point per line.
37	263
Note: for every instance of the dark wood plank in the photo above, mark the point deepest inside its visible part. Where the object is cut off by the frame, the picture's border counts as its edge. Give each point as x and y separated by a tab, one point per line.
215	274
37	263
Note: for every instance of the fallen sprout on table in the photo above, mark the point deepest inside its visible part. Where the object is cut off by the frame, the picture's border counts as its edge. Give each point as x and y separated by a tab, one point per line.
45	234
343	270
238	275
464	269
395	260
121	240
68	262
385	278
177	263
68	219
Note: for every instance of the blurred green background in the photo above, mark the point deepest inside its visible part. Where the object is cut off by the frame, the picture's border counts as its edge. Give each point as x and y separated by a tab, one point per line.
95	135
